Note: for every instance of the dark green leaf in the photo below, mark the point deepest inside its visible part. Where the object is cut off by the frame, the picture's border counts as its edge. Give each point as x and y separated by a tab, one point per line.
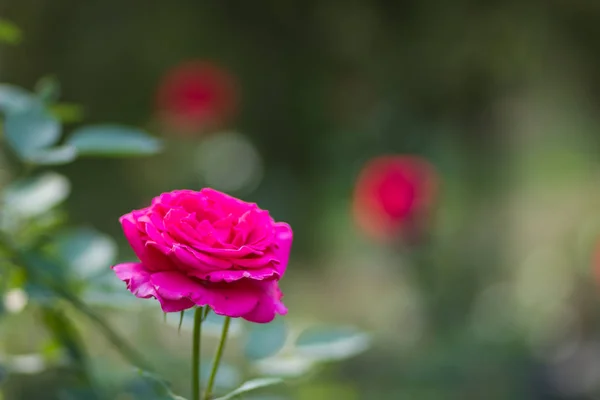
9	32
86	252
30	130
264	340
331	343
34	196
15	99
112	140
250	386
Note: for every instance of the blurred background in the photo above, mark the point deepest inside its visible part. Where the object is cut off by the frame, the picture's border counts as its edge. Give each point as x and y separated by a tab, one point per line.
438	162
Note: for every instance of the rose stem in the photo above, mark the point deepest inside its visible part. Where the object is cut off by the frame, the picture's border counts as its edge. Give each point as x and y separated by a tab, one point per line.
218	355
196	353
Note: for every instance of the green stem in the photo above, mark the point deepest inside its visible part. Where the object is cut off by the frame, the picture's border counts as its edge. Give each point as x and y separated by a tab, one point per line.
196	353
217	360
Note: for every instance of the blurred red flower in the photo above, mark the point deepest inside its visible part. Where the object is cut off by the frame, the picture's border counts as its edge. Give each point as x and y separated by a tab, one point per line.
394	195
196	96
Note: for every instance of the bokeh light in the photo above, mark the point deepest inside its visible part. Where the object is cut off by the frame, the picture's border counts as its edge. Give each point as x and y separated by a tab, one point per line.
229	162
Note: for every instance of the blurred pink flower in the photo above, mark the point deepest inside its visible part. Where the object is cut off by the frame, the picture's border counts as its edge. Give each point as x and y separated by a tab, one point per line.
196	96
393	195
207	248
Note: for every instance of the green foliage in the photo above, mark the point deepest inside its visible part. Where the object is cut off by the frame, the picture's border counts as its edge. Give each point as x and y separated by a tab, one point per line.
51	264
32	129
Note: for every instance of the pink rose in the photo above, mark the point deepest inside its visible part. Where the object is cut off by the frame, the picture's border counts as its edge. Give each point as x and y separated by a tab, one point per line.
394	195
207	248
197	96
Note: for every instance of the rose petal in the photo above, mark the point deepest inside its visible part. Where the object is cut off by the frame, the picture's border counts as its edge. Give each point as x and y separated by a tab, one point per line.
283	245
169	305
133	235
233	300
137	279
268	305
197	260
232	275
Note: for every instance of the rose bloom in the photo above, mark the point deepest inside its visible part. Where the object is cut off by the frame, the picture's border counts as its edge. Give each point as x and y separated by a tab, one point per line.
207	249
196	96
393	195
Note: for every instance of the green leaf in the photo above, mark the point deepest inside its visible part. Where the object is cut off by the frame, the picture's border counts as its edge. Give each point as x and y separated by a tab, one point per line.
112	140
86	252
53	156
30	130
264	340
48	89
15	99
331	343
9	32
251	385
35	196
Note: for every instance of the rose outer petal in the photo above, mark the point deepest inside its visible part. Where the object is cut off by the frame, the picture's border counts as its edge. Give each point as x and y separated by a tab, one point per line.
283	245
254	301
269	304
233	300
139	283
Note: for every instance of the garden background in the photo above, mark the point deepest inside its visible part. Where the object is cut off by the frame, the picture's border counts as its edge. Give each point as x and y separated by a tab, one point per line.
502	99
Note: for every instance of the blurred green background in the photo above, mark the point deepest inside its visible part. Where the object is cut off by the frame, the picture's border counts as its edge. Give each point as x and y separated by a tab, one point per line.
502	97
